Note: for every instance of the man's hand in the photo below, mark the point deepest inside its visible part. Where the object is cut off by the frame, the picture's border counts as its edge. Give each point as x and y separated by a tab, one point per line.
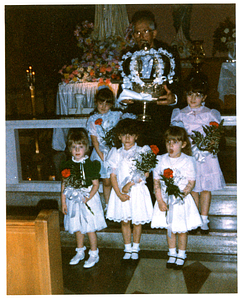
127	101
167	99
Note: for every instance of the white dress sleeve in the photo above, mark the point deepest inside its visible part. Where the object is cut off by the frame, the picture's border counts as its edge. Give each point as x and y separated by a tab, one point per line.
215	115
191	168
176	119
112	160
92	130
157	169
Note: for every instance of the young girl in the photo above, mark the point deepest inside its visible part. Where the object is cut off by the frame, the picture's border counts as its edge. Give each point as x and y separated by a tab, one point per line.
81	203
209	175
175	214
98	125
130	199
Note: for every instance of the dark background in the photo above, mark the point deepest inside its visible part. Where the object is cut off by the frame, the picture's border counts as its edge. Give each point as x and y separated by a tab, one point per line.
44	39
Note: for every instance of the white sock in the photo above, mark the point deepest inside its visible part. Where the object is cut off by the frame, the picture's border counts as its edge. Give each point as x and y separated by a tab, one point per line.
135	247
127	248
181	254
205	222
172	252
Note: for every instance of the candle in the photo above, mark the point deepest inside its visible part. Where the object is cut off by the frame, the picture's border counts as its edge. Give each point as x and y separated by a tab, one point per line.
33	77
27	73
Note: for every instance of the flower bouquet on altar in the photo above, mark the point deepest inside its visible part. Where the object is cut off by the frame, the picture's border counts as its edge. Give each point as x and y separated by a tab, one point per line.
75	183
100	58
208	142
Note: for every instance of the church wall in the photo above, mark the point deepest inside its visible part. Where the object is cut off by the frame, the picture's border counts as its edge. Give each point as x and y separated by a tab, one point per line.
205	19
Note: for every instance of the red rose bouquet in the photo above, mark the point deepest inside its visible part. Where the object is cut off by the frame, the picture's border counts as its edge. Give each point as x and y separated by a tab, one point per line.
74	178
171	187
146	160
109	136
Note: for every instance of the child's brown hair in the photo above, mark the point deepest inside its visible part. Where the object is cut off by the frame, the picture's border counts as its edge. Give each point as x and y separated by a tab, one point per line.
78	136
105	94
179	134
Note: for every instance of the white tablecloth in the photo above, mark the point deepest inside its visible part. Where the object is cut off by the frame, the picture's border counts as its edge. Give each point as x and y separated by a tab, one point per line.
227	80
66	95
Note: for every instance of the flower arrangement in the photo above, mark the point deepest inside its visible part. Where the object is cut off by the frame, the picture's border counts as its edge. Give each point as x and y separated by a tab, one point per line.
146	160
210	141
170	181
100	59
223	35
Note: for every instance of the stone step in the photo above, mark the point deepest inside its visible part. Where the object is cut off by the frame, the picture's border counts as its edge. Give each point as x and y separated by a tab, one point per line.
217	243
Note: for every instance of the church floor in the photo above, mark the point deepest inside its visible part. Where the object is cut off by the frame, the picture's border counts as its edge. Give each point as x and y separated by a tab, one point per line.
202	273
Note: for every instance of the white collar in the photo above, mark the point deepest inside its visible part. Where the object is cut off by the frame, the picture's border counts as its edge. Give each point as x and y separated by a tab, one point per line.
81	160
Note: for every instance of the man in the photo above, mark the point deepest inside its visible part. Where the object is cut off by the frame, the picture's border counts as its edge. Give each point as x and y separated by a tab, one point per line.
144	31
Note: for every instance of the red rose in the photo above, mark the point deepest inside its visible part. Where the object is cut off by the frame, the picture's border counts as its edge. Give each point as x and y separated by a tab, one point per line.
168	173
66	173
214	124
99	121
154	149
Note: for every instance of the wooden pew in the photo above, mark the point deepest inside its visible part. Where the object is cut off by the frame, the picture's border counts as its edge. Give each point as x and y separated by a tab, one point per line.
34	263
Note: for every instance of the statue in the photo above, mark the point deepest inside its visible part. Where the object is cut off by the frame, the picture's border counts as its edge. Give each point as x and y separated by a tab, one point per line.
181	21
110	20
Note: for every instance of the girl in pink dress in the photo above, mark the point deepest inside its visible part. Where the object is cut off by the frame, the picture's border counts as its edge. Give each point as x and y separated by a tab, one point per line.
194	116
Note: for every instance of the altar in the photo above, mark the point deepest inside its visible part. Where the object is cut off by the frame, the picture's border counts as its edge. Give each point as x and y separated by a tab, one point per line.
66	96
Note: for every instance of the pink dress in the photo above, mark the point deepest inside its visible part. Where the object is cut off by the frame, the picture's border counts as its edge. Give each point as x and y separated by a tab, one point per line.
209	175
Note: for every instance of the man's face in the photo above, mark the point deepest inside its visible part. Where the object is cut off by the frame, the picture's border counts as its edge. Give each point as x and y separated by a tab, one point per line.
143	34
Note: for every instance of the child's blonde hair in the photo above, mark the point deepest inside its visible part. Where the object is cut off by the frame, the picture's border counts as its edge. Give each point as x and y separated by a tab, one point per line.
176	133
78	136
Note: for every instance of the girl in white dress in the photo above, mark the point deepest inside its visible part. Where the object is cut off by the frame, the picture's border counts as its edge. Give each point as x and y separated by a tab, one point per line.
170	212
130	199
102	121
193	117
80	199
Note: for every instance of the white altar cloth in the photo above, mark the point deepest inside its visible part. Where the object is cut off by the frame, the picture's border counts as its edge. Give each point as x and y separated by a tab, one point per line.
227	80
66	95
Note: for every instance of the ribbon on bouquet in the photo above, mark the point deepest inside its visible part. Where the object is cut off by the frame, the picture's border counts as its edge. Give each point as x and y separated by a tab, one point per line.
171	201
128	94
199	155
78	197
135	177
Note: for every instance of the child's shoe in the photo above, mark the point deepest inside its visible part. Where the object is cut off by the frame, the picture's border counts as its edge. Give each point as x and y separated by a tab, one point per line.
92	260
204	228
135	251
180	260
79	256
172	255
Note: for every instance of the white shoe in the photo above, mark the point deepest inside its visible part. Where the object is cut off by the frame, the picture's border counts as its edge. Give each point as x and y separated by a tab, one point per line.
79	256
92	260
127	255
135	255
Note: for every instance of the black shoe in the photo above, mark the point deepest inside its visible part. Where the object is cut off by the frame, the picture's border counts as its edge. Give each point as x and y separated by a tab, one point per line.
170	265
179	267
